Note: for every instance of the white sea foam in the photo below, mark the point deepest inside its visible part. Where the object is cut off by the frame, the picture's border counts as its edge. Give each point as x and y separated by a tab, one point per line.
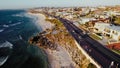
40	22
1	30
6	44
15	24
5	25
20	37
22	15
3	60
19	15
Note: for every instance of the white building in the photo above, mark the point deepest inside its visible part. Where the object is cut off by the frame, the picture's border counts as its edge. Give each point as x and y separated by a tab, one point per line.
109	13
84	20
101	26
114	32
111	31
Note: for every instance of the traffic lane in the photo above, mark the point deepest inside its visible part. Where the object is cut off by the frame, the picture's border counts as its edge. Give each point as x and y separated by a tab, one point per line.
69	27
86	45
103	49
95	54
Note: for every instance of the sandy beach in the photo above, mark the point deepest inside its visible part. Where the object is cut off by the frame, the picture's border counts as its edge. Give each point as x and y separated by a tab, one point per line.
59	58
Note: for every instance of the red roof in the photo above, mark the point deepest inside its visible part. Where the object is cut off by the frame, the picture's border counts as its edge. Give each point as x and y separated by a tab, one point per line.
114	46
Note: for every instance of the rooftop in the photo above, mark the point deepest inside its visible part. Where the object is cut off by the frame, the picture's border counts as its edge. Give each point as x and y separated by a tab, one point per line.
114	46
113	27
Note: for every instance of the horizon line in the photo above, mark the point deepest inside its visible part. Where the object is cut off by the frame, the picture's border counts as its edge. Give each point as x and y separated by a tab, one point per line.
56	7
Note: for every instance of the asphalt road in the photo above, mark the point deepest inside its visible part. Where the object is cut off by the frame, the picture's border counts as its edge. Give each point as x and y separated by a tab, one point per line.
102	55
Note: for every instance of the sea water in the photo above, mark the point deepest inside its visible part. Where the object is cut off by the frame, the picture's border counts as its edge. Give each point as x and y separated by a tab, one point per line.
16	27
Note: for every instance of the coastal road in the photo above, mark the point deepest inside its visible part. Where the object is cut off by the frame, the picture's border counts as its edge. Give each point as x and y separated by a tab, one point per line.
102	55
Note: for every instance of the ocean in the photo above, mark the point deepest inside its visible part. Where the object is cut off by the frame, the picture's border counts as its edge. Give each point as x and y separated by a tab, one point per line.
16	27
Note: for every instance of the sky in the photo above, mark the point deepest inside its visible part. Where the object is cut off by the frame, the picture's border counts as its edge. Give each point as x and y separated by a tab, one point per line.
14	4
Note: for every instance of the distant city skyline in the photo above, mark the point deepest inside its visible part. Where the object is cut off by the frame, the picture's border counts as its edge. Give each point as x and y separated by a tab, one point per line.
15	4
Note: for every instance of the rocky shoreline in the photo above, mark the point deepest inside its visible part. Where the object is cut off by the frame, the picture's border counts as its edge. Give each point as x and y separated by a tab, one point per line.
60	47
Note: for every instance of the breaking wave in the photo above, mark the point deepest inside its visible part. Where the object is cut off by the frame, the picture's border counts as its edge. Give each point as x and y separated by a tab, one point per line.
5	25
10	25
15	24
3	59
6	44
1	30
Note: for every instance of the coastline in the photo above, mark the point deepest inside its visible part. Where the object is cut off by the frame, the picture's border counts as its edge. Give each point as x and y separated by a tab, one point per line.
56	58
40	21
